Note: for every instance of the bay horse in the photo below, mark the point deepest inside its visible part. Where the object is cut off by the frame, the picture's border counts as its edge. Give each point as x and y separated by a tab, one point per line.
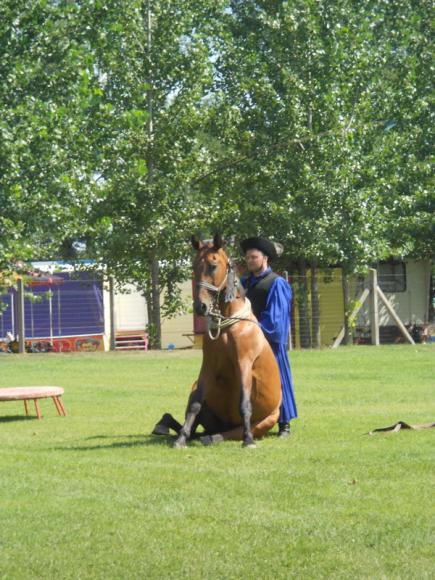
238	392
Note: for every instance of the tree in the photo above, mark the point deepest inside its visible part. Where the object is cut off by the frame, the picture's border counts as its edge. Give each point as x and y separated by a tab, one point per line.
305	102
154	63
101	108
46	162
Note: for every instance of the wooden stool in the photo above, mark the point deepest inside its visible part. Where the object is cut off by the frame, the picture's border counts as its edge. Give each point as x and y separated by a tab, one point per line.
28	393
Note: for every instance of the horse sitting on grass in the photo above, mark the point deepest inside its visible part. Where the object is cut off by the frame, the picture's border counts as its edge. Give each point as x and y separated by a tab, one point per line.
238	392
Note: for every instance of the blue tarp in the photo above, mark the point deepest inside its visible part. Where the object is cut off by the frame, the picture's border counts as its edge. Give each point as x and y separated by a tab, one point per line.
75	307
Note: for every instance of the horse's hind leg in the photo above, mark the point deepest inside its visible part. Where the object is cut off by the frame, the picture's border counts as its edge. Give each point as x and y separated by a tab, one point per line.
262	427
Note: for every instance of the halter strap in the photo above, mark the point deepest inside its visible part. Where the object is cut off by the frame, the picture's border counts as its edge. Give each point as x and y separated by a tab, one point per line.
211	287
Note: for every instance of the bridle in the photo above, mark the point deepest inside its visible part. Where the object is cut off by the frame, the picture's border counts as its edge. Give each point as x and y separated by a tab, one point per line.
217	320
212	288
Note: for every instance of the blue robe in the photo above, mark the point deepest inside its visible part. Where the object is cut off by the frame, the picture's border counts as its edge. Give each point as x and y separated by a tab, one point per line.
275	323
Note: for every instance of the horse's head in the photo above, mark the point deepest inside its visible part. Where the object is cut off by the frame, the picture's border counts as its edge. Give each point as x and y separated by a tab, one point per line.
213	274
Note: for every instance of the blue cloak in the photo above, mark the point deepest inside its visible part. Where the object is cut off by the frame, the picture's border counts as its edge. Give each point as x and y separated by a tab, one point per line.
275	323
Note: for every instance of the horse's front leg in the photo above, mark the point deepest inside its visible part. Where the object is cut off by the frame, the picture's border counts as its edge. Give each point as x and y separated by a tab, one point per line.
246	405
193	408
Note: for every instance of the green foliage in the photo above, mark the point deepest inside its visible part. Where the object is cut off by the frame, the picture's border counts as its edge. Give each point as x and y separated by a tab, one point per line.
128	125
155	62
323	107
45	158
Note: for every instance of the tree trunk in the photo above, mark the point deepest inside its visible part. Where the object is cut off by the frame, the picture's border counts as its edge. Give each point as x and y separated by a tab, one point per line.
347	339
315	308
304	317
153	294
155	300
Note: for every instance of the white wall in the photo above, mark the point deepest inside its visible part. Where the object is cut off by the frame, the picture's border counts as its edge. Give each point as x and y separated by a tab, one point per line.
131	314
130	310
175	329
411	305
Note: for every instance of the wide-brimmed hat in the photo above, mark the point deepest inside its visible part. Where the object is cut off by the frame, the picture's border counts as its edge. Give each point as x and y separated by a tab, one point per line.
271	249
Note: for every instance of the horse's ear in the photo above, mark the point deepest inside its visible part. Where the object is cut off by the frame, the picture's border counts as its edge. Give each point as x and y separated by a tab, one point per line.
217	242
232	241
196	242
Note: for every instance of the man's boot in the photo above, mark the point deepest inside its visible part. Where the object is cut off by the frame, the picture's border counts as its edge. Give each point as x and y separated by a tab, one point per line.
284	429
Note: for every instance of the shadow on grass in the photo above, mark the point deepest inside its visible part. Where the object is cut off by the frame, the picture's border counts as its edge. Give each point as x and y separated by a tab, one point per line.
11	418
139	440
128	441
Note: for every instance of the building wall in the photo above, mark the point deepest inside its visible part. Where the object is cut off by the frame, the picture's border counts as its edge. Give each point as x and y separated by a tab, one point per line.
178	331
331	306
411	305
130	310
131	315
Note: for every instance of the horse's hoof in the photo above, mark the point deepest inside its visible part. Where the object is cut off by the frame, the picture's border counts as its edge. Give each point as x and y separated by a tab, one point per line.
179	445
160	429
249	445
211	439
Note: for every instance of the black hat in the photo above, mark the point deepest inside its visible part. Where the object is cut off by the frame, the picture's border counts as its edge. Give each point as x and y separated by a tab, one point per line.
271	249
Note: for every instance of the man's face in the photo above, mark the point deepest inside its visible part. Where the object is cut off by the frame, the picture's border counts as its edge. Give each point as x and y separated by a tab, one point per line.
256	261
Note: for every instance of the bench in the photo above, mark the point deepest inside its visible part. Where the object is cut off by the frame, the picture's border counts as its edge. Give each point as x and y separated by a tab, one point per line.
34	393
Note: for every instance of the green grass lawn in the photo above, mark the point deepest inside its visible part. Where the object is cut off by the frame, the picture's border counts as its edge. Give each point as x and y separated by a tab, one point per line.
93	495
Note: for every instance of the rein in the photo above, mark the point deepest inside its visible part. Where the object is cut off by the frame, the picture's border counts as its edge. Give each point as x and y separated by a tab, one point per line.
219	321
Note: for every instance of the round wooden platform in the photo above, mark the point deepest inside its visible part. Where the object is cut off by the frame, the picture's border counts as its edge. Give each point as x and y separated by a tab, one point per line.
34	393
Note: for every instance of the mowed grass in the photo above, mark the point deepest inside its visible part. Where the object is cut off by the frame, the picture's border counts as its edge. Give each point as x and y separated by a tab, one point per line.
93	495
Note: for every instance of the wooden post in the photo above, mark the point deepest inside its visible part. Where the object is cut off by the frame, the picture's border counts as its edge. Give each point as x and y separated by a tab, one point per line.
112	314
21	324
393	315
374	311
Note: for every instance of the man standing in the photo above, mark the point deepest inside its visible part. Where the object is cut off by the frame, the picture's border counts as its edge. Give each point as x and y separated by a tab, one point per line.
270	296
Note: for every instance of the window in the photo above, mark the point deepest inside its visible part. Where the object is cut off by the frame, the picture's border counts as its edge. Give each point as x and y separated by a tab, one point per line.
392	276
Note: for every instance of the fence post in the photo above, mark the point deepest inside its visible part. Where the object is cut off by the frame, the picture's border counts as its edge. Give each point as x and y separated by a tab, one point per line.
21	325
394	316
374	311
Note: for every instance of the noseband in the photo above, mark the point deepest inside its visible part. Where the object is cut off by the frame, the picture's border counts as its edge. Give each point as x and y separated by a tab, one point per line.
211	288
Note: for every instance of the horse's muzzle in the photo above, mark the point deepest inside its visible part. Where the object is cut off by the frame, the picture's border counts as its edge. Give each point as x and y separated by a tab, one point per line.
201	308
